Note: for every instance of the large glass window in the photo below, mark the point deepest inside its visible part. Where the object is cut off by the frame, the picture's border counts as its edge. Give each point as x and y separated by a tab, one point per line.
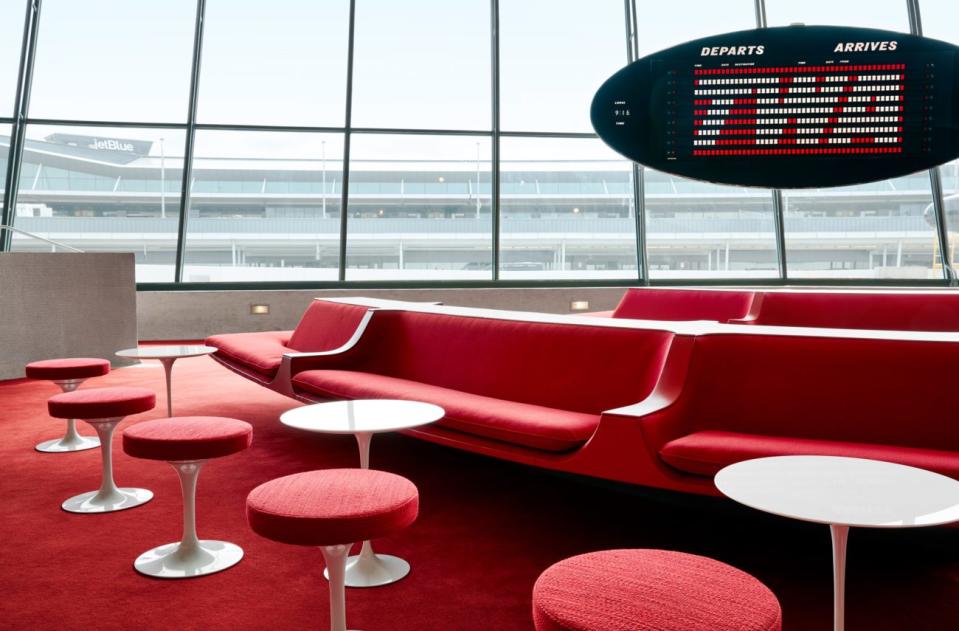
264	206
11	38
883	14
567	210
103	189
419	208
552	60
422	64
113	60
274	63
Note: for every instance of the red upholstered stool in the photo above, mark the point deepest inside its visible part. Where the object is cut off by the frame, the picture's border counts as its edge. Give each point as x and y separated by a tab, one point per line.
333	509
104	408
68	374
187	442
653	590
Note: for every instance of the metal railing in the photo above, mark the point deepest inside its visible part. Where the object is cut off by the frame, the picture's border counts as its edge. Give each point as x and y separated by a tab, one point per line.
55	244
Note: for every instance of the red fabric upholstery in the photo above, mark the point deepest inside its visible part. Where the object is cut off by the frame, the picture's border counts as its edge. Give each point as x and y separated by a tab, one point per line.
96	403
332	506
563	366
652	590
705	453
683	304
326	325
932	311
64	369
187	438
262	351
532	426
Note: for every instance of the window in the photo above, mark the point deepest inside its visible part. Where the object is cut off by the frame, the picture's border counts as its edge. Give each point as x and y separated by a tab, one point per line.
552	61
264	206
422	64
276	63
113	60
567	210
103	189
882	14
11	38
419	208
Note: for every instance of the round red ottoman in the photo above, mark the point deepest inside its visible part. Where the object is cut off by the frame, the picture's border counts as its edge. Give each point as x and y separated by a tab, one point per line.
68	374
332	509
104	408
653	590
186	442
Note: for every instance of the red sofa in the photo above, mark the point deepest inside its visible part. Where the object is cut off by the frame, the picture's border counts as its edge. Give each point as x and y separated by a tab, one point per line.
892	310
647	303
659	404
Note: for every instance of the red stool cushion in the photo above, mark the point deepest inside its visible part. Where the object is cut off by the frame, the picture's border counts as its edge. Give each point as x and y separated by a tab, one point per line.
63	369
653	590
187	438
332	506
93	403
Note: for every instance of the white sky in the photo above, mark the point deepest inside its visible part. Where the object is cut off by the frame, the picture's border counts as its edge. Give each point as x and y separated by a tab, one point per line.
418	63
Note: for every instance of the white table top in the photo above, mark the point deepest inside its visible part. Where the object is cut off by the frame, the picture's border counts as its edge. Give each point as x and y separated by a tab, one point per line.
165	352
843	491
363	415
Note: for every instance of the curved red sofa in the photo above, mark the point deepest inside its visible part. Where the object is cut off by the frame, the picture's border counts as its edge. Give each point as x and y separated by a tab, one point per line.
680	304
658	404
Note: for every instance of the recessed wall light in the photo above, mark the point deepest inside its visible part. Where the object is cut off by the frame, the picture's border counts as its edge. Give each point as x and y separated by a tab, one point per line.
579	305
576	210
259	309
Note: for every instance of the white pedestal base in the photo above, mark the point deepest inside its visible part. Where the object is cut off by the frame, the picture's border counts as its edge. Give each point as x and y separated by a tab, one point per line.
174	561
368	569
100	502
68	443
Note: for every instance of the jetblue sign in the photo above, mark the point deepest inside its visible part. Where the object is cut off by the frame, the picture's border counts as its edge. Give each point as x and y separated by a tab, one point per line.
791	107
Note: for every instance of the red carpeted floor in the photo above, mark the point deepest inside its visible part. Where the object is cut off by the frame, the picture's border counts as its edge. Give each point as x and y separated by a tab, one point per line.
486	531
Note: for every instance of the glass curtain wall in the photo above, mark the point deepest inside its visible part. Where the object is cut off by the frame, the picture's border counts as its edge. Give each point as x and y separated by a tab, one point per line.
376	141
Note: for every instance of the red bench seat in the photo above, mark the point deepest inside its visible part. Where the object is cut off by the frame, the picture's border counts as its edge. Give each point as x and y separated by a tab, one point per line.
533	426
705	453
261	351
645	303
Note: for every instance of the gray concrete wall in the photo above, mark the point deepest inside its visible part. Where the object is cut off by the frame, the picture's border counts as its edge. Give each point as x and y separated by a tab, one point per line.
64	305
189	315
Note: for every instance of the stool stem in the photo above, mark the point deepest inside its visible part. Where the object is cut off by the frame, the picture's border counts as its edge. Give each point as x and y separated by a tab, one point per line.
188	471
335	557
105	427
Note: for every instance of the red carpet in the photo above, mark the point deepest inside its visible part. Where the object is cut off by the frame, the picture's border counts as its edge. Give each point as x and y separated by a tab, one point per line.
485	532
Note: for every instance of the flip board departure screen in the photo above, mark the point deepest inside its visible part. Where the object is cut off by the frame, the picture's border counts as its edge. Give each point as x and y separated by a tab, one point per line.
792	107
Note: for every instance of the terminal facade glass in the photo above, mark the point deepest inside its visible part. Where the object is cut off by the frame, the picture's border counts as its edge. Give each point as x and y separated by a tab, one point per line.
423	141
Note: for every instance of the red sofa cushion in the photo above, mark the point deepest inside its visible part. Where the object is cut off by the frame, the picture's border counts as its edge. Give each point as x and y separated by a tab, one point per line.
683	304
523	424
574	367
326	326
187	438
859	310
705	453
332	506
654	590
262	352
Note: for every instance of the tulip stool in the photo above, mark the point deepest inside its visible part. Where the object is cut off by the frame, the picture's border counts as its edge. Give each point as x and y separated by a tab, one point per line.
68	374
104	408
332	509
187	442
654	590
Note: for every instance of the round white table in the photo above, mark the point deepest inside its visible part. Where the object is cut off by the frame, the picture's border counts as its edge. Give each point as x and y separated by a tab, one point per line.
363	418
842	492
167	355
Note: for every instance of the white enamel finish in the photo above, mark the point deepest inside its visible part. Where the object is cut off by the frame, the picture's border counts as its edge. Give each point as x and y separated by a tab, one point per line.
191	556
364	415
108	498
335	557
167	355
842	492
363	418
846	491
72	440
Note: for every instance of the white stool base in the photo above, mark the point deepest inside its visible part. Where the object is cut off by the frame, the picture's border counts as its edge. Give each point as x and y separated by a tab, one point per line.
375	571
210	557
94	502
63	445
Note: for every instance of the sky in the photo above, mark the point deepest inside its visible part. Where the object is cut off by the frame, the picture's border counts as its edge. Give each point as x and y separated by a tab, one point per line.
418	63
